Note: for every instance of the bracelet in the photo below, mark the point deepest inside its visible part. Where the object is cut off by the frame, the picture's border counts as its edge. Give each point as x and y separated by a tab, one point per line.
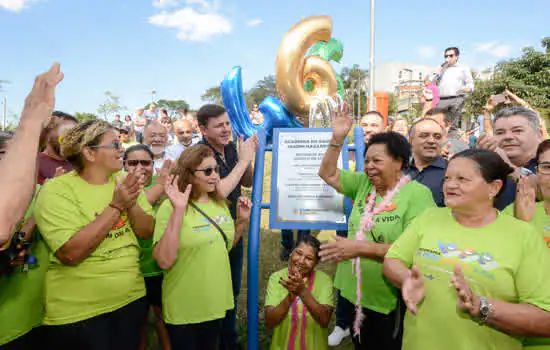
336	145
120	210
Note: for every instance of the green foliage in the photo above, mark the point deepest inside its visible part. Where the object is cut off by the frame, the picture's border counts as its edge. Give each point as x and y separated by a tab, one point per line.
171	106
83	116
261	90
392	104
111	105
213	95
527	76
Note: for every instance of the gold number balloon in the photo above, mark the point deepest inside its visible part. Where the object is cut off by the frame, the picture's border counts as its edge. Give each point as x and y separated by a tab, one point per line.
292	71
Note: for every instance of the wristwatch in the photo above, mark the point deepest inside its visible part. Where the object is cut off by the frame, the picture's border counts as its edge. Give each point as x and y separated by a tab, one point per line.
485	310
523	172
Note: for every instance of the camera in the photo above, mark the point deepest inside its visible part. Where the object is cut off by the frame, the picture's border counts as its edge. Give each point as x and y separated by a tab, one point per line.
8	255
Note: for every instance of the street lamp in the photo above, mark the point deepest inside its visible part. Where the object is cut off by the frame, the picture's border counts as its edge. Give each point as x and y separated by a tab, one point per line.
153	93
372	103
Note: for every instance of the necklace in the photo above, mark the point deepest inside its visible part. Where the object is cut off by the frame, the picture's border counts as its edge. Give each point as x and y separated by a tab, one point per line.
367	224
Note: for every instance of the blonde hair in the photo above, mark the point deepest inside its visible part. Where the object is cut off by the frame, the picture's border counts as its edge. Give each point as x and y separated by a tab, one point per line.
83	135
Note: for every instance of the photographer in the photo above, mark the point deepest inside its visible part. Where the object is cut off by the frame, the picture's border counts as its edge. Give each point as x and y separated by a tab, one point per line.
18	165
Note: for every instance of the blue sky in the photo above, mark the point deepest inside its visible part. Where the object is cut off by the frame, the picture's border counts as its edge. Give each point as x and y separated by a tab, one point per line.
182	47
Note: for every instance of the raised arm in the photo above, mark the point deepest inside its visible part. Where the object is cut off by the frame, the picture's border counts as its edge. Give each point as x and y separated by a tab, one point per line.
18	167
242	172
166	250
329	171
244	208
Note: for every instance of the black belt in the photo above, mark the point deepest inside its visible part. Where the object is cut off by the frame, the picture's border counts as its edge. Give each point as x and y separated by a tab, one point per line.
448	97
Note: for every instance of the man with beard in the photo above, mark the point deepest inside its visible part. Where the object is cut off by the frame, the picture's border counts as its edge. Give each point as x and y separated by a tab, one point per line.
427	166
51	159
517	134
156	137
235	169
183	129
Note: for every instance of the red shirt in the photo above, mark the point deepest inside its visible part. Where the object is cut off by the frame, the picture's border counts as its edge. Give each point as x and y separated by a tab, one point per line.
47	166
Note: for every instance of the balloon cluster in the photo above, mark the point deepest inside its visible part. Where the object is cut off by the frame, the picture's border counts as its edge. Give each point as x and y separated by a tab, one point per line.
304	79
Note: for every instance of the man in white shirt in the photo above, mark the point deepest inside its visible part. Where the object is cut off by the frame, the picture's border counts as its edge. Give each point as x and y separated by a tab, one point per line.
183	129
156	137
454	82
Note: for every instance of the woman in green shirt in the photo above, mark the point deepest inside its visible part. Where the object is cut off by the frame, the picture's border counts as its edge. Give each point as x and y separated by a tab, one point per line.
194	232
472	277
383	196
527	209
141	157
299	301
89	219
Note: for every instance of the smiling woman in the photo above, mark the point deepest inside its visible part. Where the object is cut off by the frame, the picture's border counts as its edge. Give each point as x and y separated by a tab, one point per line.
89	218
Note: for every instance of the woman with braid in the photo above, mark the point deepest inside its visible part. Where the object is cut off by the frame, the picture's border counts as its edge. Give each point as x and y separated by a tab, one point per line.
90	218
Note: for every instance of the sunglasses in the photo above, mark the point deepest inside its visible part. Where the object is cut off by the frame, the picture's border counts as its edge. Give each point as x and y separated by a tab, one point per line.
209	171
114	145
452	55
143	162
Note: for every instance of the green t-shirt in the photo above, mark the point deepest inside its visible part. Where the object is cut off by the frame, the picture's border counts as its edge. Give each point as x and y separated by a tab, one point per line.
501	260
21	302
378	294
316	336
149	266
197	288
106	280
541	222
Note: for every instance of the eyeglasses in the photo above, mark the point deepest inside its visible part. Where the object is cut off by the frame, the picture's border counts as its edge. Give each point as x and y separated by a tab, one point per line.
451	55
182	132
209	171
544	168
114	145
143	162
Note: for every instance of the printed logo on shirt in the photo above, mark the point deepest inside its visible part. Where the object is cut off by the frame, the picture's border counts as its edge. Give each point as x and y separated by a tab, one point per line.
450	253
120	227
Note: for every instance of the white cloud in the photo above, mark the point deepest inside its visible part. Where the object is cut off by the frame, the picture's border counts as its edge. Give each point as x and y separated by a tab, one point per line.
193	25
426	51
494	49
254	22
163	4
15	5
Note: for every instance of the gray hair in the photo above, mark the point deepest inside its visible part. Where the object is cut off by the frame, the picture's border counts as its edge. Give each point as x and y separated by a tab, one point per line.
413	126
532	117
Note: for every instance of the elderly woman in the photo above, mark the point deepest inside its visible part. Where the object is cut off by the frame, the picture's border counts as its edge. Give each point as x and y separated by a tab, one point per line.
193	235
527	209
471	277
388	202
89	219
299	301
140	157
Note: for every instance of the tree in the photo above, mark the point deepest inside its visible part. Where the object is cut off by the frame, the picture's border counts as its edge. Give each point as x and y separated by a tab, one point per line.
110	105
171	106
527	76
213	95
261	90
354	79
83	116
392	104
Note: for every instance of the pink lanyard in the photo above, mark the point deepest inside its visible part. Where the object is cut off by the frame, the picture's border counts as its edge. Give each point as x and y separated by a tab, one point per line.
294	324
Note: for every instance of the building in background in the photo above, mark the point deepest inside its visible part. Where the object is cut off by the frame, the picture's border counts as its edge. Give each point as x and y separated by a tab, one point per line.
404	80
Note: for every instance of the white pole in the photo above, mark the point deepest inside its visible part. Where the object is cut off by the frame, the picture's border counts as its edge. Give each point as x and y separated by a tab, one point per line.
372	104
4	114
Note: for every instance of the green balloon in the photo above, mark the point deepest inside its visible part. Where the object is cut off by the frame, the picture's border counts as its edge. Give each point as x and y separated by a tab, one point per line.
333	50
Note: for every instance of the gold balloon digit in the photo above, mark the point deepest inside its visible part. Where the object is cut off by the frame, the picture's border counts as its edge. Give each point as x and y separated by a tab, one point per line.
291	71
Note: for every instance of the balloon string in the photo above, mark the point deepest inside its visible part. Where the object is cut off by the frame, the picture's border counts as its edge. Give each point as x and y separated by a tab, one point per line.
366	225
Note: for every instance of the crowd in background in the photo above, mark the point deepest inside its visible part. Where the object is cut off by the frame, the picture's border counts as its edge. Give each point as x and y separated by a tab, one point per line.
103	223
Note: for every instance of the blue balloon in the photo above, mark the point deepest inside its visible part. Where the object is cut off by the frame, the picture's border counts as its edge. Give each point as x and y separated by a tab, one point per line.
276	115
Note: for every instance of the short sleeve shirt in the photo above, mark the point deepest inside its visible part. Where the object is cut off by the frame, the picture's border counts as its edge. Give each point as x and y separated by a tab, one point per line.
377	293
503	260
110	277
316	337
432	177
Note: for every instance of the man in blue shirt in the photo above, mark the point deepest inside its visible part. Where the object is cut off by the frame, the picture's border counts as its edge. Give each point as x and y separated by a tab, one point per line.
427	166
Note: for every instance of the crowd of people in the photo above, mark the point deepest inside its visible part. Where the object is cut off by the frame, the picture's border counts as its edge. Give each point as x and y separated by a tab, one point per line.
105	226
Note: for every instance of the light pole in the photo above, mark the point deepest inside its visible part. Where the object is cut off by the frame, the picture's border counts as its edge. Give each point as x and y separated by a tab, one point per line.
372	104
153	93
